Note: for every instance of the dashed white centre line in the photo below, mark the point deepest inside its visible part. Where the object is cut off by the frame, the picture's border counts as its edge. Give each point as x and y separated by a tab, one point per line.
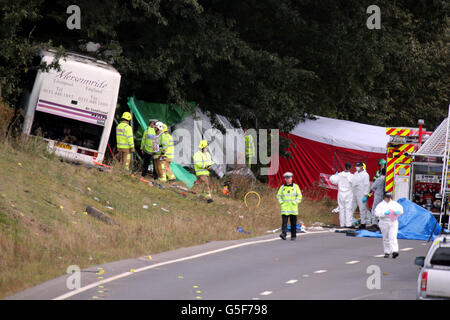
320	271
352	262
406	249
291	281
265	293
379	256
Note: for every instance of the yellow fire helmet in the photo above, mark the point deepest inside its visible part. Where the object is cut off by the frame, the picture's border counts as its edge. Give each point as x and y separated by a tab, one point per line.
127	116
164	127
203	144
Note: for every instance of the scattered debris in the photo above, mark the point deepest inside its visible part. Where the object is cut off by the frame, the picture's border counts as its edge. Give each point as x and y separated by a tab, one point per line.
145	206
100	215
241	230
96	199
110	208
165	210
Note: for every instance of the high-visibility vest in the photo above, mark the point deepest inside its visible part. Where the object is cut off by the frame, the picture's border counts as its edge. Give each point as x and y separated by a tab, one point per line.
202	160
249	147
289	198
147	140
124	135
166	143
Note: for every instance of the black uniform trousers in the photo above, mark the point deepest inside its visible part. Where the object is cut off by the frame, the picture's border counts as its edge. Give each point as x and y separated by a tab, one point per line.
293	219
147	158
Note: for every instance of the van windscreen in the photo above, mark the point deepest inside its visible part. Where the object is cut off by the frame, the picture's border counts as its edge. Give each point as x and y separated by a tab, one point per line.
67	130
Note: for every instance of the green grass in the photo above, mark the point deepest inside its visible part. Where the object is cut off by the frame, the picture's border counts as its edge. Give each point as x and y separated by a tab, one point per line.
43	227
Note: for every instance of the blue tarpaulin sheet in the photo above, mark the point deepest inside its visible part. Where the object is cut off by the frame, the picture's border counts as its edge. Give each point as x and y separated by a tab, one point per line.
416	223
299	227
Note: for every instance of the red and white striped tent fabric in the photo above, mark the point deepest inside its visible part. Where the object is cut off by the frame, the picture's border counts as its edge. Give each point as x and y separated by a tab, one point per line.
321	147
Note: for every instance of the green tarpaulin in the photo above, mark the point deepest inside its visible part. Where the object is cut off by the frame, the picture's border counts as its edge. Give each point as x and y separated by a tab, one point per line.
183	175
168	114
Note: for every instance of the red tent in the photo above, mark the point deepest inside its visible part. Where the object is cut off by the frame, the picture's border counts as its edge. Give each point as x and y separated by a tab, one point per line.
321	147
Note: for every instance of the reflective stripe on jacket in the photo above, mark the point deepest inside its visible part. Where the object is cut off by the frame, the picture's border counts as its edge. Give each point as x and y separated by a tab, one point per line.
147	140
166	143
202	160
124	136
289	198
249	147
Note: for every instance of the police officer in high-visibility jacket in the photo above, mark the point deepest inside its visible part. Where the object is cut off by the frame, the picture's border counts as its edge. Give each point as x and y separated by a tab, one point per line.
147	148
202	163
125	140
249	148
166	155
289	196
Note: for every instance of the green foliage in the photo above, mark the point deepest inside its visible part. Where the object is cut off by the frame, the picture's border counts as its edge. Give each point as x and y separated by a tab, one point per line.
274	61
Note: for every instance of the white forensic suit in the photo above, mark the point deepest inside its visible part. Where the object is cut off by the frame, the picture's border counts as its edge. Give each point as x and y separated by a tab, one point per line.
345	197
361	187
378	193
388	213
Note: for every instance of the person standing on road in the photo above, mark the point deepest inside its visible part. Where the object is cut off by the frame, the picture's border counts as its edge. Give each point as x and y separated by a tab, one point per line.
361	188
345	195
389	211
289	196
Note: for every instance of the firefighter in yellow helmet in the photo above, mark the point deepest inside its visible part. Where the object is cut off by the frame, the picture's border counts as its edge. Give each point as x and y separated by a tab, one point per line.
202	163
125	140
166	151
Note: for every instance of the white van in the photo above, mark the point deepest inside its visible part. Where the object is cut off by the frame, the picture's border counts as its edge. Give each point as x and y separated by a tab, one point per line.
74	108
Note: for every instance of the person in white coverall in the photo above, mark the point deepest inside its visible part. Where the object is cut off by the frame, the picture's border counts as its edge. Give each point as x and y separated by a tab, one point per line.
361	187
345	195
388	212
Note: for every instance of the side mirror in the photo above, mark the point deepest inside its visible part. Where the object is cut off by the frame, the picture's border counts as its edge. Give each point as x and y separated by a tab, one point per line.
420	261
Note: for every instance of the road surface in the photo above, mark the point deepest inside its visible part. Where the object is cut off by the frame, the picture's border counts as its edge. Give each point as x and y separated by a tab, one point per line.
323	265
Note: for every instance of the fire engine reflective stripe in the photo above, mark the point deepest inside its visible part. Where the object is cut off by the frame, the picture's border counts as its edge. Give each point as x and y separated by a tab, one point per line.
398	132
405	167
395	158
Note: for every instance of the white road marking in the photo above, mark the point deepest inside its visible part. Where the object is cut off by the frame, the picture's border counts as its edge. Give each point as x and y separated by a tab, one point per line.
255	298
379	256
305	276
406	249
291	281
265	293
352	262
125	274
320	271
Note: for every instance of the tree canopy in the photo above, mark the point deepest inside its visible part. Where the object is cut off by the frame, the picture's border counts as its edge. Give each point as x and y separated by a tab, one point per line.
274	61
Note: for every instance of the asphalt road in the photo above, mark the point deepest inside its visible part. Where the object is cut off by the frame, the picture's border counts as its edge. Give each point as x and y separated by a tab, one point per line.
316	266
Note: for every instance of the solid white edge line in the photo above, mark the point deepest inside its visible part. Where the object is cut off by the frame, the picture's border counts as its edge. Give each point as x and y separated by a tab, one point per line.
265	293
92	285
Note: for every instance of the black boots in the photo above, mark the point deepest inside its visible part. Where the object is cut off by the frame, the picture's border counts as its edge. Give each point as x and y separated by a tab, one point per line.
394	255
283	236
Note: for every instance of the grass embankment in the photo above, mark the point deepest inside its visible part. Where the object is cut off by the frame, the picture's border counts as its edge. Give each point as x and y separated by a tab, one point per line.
44	228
